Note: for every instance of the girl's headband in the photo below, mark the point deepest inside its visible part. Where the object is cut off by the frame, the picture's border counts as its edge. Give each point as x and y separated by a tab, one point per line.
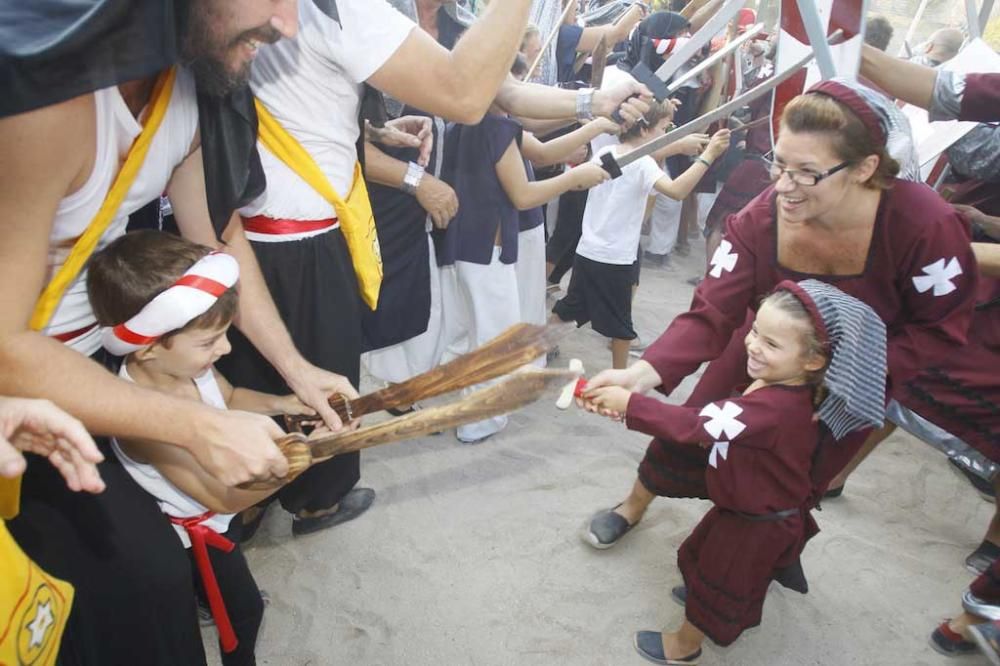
856	103
191	296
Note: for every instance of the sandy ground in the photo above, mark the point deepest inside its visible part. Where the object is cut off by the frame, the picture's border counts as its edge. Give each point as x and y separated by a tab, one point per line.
472	554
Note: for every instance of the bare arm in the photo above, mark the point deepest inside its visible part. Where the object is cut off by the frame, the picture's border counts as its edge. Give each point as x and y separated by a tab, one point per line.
684	184
525	194
543	127
459	84
258	317
44	155
181	469
434	195
690	145
907	81
988	258
559	149
531	100
613	33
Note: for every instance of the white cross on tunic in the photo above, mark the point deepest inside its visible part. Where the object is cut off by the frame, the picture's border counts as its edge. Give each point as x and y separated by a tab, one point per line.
723	421
719	450
724	259
938	276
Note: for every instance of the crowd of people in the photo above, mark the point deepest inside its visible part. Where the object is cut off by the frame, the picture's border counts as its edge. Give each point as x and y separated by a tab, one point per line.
371	183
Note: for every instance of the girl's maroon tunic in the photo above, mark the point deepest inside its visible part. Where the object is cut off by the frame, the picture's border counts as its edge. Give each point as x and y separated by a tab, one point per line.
760	450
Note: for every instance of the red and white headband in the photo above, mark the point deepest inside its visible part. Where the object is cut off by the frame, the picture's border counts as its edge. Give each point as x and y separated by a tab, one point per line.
191	296
665	47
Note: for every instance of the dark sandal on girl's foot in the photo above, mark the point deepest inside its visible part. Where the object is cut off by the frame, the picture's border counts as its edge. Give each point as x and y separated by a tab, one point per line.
680	595
950	643
606	528
649	645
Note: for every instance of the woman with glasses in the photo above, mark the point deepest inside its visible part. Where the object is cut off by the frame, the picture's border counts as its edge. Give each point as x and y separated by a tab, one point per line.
835	212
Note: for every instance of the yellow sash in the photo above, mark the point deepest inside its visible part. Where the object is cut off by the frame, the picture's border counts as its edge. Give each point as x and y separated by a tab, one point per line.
33	605
357	222
87	243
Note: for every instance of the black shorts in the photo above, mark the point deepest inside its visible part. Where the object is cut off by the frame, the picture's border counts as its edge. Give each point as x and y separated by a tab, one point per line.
601	294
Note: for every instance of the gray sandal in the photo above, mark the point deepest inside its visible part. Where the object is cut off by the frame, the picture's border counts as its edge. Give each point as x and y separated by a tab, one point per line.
606	528
649	645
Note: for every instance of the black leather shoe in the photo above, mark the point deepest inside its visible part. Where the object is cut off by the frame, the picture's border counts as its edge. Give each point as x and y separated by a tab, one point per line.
352	505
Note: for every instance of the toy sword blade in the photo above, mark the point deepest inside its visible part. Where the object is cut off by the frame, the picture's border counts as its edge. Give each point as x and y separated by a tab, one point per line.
613	165
712	27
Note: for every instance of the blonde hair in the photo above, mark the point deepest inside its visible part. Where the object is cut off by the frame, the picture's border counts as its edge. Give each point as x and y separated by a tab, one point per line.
849	139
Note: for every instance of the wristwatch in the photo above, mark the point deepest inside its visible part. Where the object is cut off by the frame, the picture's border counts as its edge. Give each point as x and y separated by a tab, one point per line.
584	104
411	181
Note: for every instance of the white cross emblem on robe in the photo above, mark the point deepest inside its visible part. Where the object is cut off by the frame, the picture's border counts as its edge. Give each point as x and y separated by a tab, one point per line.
723	259
722	421
938	276
719	449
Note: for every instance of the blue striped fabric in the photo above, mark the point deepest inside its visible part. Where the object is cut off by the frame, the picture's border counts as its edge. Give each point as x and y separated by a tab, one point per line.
855	376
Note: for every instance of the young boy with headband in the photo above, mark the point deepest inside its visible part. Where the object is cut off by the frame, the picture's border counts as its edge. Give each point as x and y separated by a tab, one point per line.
165	304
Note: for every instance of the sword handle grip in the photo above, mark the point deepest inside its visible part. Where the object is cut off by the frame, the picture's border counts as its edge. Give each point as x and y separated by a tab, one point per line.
609	164
296	450
340	404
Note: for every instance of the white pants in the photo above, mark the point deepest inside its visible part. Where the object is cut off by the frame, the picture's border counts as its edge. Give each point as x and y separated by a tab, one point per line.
488	295
530	269
418	354
663	224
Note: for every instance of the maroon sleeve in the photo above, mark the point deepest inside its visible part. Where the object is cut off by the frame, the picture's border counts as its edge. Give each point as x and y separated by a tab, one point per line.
658	419
981	100
718	308
939	281
747	420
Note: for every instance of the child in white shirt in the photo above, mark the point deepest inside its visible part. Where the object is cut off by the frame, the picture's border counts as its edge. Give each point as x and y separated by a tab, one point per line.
604	269
166	304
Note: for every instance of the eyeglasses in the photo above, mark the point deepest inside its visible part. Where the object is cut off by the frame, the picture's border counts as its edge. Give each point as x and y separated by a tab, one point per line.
806	178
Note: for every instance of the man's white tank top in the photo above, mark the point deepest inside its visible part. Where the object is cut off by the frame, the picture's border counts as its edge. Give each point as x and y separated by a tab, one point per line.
117	128
172	500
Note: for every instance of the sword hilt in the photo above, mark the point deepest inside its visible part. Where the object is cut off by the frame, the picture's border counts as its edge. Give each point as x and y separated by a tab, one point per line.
609	164
645	76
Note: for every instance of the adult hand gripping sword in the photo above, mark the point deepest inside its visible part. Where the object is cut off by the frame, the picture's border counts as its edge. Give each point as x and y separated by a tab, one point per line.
614	164
519	389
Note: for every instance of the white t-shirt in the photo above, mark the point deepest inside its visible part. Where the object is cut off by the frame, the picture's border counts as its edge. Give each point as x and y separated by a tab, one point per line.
312	86
613	217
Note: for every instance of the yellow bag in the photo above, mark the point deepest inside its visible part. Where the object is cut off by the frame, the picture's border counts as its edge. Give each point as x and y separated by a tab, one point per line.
34	606
357	222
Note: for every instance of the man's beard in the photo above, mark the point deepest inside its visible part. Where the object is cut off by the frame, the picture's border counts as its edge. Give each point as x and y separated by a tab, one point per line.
204	49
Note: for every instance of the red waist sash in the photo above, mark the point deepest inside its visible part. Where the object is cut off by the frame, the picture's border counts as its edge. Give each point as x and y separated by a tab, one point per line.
260	224
69	336
201	538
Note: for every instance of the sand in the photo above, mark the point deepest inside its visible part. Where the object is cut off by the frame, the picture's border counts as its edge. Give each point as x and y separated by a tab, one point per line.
472	554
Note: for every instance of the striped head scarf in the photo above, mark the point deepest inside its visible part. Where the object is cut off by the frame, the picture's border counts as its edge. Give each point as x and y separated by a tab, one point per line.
855	339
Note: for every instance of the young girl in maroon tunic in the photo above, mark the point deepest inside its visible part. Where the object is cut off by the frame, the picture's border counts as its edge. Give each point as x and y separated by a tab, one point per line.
812	349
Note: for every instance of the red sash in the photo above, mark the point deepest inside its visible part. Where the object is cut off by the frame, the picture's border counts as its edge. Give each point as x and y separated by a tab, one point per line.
201	538
260	224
